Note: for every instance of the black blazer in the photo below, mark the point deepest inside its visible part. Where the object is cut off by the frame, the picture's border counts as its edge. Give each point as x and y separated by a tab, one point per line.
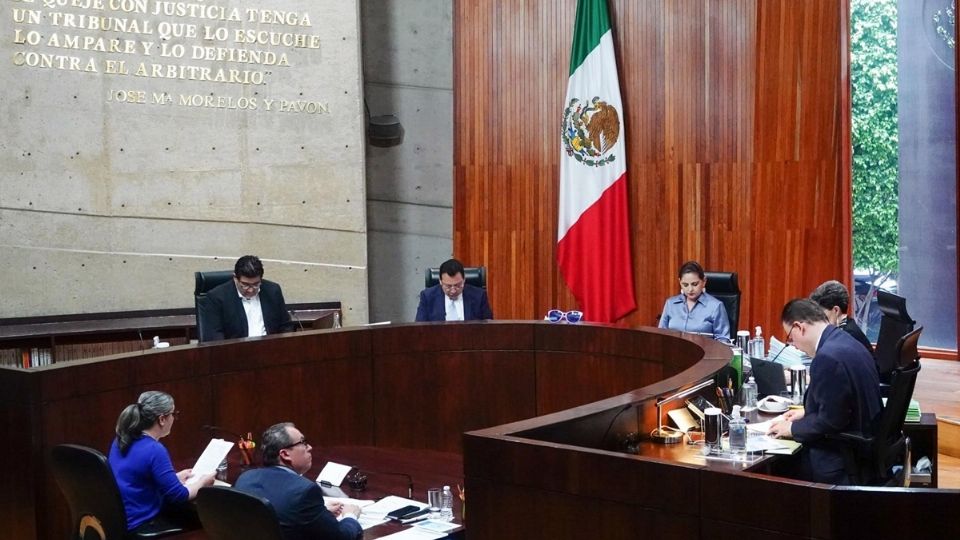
433	308
224	317
299	505
851	327
844	395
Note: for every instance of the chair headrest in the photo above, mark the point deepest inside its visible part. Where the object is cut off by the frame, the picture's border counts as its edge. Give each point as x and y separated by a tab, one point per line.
895	306
204	281
474	275
722	283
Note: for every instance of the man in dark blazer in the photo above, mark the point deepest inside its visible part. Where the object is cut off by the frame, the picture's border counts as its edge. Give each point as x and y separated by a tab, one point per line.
452	299
844	391
835	300
245	306
298	501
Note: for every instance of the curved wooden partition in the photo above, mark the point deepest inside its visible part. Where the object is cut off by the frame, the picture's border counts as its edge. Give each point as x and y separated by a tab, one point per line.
420	386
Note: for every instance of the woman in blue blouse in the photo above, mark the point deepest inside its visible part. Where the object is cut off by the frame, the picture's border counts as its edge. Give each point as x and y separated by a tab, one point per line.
153	493
693	310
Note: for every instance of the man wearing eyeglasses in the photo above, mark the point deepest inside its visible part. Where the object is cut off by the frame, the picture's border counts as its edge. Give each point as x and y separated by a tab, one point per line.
246	306
453	299
844	391
297	501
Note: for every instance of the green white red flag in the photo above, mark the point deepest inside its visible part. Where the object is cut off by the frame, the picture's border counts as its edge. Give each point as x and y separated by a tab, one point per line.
593	231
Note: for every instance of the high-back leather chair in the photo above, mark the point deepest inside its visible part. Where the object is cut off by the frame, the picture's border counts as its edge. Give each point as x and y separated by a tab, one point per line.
870	460
895	323
724	287
228	514
475	275
204	282
96	509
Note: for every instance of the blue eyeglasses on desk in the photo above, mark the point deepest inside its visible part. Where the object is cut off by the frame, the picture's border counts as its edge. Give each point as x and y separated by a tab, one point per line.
572	317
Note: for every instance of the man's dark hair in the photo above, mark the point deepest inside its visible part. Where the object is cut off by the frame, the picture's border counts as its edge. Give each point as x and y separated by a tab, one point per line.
831	294
690	267
802	310
248	266
451	268
274	439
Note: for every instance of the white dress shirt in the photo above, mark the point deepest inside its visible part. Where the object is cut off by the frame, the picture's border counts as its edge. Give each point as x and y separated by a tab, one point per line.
255	324
454	308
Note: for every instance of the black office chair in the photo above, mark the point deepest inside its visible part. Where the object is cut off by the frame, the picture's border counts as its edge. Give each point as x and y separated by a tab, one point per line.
894	324
476	276
96	509
724	287
227	514
204	282
870	460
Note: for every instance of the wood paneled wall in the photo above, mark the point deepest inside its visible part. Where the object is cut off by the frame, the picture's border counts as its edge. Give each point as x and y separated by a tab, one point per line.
737	129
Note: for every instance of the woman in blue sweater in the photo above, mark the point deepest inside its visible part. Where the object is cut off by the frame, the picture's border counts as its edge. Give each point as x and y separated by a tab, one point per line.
153	493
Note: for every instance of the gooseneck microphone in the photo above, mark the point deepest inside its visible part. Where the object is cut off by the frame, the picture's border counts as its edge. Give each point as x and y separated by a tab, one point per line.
362	472
293	315
606	432
208	427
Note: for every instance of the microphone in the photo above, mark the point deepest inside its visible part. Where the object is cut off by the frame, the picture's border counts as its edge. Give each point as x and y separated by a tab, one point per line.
623	409
209	427
139	333
293	315
358	480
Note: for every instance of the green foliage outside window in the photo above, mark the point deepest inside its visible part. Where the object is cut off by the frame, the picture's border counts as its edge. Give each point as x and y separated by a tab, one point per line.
873	55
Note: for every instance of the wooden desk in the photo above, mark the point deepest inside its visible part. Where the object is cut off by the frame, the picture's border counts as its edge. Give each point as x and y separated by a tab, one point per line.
546	408
427	469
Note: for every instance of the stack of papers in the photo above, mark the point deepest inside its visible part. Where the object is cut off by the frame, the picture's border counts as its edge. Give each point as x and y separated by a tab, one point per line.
790	356
376	513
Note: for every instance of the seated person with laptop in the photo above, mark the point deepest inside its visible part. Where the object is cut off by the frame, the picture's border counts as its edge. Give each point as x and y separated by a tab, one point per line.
694	310
843	395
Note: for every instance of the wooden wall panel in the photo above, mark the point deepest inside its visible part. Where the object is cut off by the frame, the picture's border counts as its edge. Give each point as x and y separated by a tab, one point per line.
735	130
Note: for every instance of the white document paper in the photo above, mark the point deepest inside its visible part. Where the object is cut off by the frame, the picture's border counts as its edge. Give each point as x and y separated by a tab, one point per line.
413	533
390	503
215	452
436	526
365	521
333	473
764	427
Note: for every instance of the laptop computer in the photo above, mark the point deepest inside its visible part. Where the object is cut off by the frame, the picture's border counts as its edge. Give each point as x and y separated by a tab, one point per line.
769	376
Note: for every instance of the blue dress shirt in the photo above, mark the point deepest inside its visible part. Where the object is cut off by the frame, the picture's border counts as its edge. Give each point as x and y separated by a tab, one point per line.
708	316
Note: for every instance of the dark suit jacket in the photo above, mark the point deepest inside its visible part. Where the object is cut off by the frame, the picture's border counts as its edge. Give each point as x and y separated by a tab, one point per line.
851	327
299	505
433	308
224	317
844	395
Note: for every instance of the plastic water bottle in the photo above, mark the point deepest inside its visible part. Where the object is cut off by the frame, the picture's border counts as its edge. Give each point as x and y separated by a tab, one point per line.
758	344
446	505
336	319
749	393
738	432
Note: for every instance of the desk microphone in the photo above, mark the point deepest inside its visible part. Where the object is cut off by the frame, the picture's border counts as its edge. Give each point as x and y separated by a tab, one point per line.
362	480
139	333
293	315
208	427
624	409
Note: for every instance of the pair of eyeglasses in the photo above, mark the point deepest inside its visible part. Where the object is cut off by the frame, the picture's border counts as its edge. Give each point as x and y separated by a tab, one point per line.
249	286
452	286
175	414
572	317
302	441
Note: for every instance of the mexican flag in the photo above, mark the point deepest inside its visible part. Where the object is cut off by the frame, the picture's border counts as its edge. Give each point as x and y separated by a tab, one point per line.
593	231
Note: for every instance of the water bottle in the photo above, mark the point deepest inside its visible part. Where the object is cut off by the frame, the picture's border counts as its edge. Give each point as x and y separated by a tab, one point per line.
738	432
336	319
748	394
759	349
446	505
222	471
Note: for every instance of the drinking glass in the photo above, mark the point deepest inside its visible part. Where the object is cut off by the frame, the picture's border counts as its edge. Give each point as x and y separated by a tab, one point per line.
434	501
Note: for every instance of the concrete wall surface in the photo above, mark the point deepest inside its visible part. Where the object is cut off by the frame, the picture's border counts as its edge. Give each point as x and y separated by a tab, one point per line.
408	72
144	140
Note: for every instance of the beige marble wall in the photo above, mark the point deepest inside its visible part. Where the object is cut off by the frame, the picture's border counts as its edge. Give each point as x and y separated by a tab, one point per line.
118	181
